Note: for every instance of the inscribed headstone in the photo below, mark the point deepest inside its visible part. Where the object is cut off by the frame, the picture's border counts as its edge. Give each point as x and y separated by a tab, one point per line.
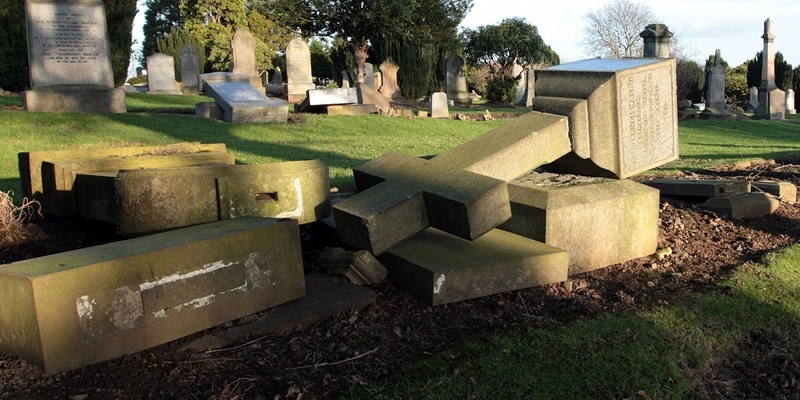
242	102
69	58
190	68
298	70
161	74
389	86
456	80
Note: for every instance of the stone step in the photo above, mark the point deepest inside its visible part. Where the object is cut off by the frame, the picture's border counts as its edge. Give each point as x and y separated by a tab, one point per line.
76	308
58	176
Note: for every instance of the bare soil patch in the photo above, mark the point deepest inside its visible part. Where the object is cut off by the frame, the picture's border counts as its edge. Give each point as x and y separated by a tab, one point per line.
329	358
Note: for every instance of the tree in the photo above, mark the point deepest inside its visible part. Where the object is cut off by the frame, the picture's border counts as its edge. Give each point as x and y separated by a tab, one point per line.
690	79
321	66
214	22
736	90
501	47
159	19
119	20
13	46
173	43
358	21
613	30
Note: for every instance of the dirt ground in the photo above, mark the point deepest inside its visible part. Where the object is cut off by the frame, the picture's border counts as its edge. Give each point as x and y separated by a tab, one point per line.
329	358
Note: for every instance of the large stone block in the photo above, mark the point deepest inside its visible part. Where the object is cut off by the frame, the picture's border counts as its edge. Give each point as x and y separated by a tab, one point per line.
623	113
76	308
58	177
243	103
784	191
317	99
599	223
745	205
699	187
440	268
462	191
30	163
152	200
104	101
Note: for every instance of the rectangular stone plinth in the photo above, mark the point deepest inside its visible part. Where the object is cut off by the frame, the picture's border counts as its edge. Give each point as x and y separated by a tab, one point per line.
58	177
79	100
353	109
440	268
625	121
699	187
72	309
745	205
599	222
146	198
30	163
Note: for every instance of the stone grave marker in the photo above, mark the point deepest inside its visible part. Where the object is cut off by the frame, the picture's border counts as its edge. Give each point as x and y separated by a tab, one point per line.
68	310
657	38
716	106
298	70
456	80
528	80
241	101
519	96
345	79
389	86
69	58
439	108
161	74
790	102
752	103
369	75
190	69
318	99
622	114
244	56
771	100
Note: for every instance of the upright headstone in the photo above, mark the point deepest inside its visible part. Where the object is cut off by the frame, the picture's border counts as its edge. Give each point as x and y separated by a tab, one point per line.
298	70
190	68
752	103
369	75
244	56
456	80
715	95
69	58
528	79
519	96
389	86
345	79
439	107
656	41
275	85
771	100
790	102
161	74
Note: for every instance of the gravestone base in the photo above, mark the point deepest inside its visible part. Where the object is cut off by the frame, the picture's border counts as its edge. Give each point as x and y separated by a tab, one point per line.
210	110
745	205
353	109
439	268
297	91
599	222
107	101
67	310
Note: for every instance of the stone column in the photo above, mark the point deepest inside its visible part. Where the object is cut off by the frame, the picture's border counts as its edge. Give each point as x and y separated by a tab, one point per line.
771	100
657	38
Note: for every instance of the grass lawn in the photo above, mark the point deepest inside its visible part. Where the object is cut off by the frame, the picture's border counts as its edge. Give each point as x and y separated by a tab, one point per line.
666	352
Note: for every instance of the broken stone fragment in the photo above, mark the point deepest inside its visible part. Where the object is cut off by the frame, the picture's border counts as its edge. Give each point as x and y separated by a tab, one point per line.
361	267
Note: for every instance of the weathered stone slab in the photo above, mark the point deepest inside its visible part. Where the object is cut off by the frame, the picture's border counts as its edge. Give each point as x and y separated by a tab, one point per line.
153	200
210	110
439	105
353	109
462	191
220	77
243	103
72	309
58	177
698	187
190	69
95	195
325	296
456	79
30	163
69	58
390	88
317	99
745	205
298	70
439	268
598	222
784	191
161	74
630	123
368	95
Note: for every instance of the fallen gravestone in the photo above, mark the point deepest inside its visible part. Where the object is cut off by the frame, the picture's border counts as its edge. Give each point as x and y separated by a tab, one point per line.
317	100
699	187
241	102
69	58
72	309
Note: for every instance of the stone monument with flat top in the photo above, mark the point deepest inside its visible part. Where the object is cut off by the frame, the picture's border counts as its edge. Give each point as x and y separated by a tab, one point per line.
69	58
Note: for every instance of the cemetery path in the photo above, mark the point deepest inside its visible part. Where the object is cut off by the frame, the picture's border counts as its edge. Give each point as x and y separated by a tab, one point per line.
329	358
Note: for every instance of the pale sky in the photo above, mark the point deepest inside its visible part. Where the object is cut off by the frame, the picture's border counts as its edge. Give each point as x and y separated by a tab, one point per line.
733	26
702	26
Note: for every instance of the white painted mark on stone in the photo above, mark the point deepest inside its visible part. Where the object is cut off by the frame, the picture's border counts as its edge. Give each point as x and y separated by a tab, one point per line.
85	308
207	269
298	212
439	283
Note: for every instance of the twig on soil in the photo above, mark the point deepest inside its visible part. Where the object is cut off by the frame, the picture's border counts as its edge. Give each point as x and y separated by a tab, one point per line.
335	362
203	360
239	346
